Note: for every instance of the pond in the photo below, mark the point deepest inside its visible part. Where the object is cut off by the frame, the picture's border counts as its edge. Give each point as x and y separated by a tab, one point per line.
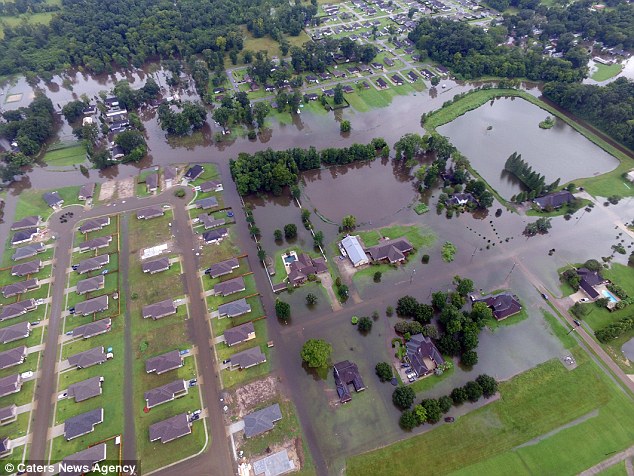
489	134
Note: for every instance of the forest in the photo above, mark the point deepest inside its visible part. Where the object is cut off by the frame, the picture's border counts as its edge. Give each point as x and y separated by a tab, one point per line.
609	108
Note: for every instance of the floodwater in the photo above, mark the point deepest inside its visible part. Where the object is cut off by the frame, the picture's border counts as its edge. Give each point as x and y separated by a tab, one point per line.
487	136
628	349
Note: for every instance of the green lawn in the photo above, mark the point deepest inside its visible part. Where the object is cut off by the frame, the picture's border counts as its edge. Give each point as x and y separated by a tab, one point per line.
605	72
425	384
231	378
31	19
257	310
30	202
250	288
616	470
209	283
72	155
146	233
226	249
570	208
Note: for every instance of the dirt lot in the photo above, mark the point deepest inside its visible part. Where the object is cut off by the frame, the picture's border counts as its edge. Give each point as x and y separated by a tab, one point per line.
113	189
107	190
252	394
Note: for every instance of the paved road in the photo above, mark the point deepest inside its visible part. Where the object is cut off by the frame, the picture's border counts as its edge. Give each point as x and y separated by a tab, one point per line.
617	458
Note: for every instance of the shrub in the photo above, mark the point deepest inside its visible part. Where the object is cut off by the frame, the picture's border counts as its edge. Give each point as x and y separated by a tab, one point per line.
474	391
448	252
365	324
389	311
354	320
488	385
469	358
458	395
383	371
277	234
180	193
425	259
403	397
377	277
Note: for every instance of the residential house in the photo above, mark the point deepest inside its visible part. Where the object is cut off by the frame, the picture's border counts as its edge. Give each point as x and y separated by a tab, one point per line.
247	358
90	110
53	200
20	287
206	203
27	222
10	384
112	103
193	172
460	199
92	264
165	393
423	355
92	329
156	266
394	251
377	66
347	373
329	92
8	414
90	284
95	243
28	251
311	97
86	192
15	332
223	268
88	457
85	389
12	357
118	152
164	362
347	89
159	309
149	213
396	79
354	250
209	221
260	422
24	236
239	334
88	358
92	306
389	62
311	79
171	429
82	424
211	186
588	281
6	448
234	308
215	236
353	70
151	182
169	175
503	305
231	286
381	83
94	224
554	200
9	311
413	77
24	269
304	266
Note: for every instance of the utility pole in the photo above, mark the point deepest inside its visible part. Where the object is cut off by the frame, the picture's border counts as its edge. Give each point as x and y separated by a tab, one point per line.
411	278
508	275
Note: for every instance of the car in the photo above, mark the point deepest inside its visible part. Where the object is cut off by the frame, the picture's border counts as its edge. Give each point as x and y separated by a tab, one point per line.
105	271
577	323
35	323
75	266
411	379
183	352
193	382
404	366
69	333
194	417
450	419
197	412
109	355
27	374
167	206
71	310
226	361
62	396
545	296
230	214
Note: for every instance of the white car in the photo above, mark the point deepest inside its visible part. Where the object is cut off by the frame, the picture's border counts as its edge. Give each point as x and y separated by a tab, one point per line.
62	396
27	374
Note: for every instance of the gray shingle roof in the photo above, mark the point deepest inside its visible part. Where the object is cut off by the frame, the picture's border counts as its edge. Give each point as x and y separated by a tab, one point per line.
392	250
420	348
26	222
210	222
92	264
10	384
86	191
205	203
164	362
164	393
231	286
194	172
151	181
93	329
169	172
90	284
210	186
248	358
94	224
20	287
12	357
8	412
9	311
52	199
156	265
27	251
170	429
85	389
81	424
88	358
239	334
223	268
95	243
159	309
234	308
88	457
261	421
90	306
30	267
15	332
22	236
151	212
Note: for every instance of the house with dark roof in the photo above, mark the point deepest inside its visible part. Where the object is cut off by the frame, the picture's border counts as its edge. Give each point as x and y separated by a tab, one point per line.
215	236
88	457
329	92
93	329
247	358
194	172
9	311
94	224
388	62
347	373
88	358
95	243
12	357
380	82
460	199
149	213
6	447
8	414
20	287
260	422
28	251
396	79
239	334
211	186
351	247
503	305
311	79
554	200
86	191
82	424
92	264
231	286
27	222
24	269
10	384
92	306
413	77
159	309
164	362
15	332
393	251
311	97
24	236
171	429
223	268
90	284
423	355
206	203
347	89
156	266
151	182
234	308
165	393
304	266
169	175
53	200
209	221
85	389
588	281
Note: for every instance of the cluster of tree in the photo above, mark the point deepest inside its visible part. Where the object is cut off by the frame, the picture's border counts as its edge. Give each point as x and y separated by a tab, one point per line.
271	171
409	307
540	226
235	110
571	277
316	56
191	116
609	107
288	101
316	353
132	99
133	144
30	127
19	7
411	145
286	18
616	329
282	310
535	182
384	371
431	410
472	52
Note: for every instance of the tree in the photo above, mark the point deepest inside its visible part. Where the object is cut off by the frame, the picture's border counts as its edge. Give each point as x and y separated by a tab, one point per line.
474	391
480	312
423	313
377	276
290	231
445	403
488	385
261	254
469	358
463	286
338	98
408	420
383	371
389	311
406	306
403	397
431	331
434	414
349	222
458	395
435	80
316	353
260	111
130	140
318	239
345	126
421	414
439	300
282	310
365	324
277	234
311	299
73	110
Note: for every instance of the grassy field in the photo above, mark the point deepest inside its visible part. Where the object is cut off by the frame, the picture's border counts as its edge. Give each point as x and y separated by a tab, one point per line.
604	72
570	208
268	44
503	437
72	155
32	19
30	202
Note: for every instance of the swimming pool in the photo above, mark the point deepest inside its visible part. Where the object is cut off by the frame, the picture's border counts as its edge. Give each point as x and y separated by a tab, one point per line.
609	295
288	259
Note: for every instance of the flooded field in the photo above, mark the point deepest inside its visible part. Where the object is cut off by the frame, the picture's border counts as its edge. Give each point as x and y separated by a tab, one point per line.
489	134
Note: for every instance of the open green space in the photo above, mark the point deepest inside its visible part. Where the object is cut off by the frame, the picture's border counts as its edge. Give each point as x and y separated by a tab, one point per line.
30	19
7	278
30	202
615	470
603	72
230	378
214	253
250	289
418	236
148	233
69	155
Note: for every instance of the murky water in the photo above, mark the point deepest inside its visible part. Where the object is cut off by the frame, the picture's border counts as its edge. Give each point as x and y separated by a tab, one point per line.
489	134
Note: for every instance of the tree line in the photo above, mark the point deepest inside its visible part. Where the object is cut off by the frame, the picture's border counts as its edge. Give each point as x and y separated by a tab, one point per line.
535	182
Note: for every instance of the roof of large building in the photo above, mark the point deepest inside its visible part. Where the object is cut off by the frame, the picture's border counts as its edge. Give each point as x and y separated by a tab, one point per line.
12	357
223	268
420	348
347	373
90	306
88	457
159	309
92	264
354	249
93	328
391	250
15	332
82	423
248	358
85	389
26	222
261	421
234	308
20	287
555	199
95	243
87	358
9	311
164	393
90	284
164	362
27	251
170	429
231	286
10	384
150	212
30	267
238	334
94	224
156	265
503	304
